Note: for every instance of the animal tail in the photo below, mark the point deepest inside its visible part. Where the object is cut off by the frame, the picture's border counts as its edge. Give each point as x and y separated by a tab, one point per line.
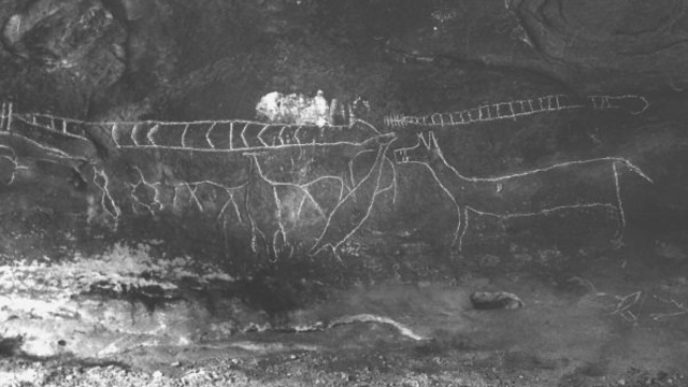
637	170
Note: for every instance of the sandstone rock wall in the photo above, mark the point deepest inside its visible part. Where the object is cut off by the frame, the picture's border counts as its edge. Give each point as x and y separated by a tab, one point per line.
489	125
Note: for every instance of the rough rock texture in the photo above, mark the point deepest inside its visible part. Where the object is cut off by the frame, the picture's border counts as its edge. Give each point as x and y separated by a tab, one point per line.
501	137
642	44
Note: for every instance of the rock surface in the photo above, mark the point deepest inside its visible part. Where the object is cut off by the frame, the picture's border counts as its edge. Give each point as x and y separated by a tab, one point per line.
490	138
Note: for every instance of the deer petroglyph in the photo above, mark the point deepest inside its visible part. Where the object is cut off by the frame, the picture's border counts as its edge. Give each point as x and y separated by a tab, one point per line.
566	185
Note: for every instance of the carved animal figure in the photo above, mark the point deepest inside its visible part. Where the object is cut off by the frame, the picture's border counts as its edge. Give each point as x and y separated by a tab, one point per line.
567	185
8	164
350	213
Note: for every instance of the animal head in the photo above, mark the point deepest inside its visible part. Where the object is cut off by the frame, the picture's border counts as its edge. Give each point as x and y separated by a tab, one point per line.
385	138
425	150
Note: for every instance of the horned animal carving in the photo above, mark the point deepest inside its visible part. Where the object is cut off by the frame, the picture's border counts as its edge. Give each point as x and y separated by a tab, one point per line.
562	186
324	181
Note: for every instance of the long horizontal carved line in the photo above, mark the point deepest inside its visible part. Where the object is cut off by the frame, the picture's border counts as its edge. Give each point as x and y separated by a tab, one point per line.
512	110
200	135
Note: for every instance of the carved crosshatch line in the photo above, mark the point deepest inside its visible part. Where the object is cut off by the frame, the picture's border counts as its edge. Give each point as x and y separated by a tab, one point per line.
6	116
226	136
107	201
201	135
511	110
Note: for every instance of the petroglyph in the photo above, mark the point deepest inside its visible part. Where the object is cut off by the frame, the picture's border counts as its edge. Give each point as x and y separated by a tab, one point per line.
152	189
20	142
306	164
303	187
8	157
160	190
208	135
144	199
307	186
393	184
8	165
6	116
264	144
529	193
202	135
38	138
352	211
107	201
511	110
229	136
63	126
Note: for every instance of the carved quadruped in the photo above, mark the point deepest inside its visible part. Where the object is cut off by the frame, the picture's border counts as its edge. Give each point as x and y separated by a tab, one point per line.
295	200
361	195
428	153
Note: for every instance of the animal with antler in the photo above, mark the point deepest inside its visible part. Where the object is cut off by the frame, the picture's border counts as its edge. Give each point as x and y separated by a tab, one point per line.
561	186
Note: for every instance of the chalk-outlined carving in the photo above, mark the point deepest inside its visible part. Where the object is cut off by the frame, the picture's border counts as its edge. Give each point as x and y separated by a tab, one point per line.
107	201
152	206
18	142
157	201
229	202
207	135
278	156
251	139
393	184
63	126
8	157
303	187
6	116
510	196
353	210
8	164
240	137
202	135
359	193
511	110
226	136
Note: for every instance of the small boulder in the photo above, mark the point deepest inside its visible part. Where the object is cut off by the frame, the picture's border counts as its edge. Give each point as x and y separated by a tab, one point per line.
495	300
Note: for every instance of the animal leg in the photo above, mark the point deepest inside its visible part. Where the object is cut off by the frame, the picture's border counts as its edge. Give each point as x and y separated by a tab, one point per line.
464	221
621	214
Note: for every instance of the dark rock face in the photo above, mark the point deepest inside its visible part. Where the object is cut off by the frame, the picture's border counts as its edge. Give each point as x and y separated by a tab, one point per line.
541	124
593	46
70	49
479	151
639	41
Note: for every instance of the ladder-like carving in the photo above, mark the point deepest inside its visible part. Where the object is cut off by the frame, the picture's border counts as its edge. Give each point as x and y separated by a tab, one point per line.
6	117
512	110
203	135
231	135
